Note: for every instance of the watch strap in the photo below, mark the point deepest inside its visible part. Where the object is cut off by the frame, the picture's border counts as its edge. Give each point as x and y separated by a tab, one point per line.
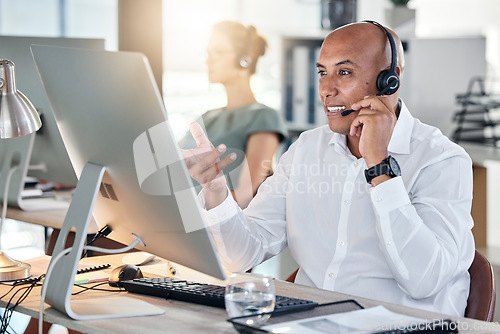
383	168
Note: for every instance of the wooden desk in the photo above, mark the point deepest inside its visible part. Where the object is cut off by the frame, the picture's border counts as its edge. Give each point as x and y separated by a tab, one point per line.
48	218
183	317
55	219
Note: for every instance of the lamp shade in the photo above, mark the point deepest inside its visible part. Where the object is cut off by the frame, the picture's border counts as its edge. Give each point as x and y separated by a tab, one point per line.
18	116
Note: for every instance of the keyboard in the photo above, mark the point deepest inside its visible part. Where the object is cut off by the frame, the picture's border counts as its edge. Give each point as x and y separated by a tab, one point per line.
201	293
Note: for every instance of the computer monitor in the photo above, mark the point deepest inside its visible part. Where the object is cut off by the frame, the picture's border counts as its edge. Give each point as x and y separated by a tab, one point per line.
114	125
41	155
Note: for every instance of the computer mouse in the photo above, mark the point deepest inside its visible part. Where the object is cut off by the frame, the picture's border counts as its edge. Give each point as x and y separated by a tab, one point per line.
124	272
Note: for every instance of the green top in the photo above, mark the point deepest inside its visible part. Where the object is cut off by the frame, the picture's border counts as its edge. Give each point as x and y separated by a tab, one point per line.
232	127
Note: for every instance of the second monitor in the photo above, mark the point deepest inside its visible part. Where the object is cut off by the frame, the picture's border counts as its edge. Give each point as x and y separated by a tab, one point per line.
41	155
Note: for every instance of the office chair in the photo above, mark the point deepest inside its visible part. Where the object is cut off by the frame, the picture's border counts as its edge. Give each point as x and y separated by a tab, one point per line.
291	278
482	295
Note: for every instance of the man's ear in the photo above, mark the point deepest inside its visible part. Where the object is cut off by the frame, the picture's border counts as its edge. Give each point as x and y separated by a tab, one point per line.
398	70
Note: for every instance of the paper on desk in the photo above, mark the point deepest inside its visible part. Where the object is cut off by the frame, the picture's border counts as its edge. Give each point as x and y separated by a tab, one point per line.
361	321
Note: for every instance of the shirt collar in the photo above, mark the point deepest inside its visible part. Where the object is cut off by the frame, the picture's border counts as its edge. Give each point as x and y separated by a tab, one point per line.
401	135
338	139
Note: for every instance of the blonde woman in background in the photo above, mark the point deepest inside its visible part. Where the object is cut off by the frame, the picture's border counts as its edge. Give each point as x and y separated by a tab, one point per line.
247	127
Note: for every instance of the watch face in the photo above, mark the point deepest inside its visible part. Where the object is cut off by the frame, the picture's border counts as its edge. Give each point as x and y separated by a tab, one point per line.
394	166
388	166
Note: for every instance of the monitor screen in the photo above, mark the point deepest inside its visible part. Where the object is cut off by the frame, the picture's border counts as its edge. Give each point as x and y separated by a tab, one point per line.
48	157
110	113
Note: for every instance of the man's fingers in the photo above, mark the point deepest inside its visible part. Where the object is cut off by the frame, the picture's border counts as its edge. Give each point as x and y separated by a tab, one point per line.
194	155
226	161
198	134
373	103
213	161
206	160
218	166
211	167
356	126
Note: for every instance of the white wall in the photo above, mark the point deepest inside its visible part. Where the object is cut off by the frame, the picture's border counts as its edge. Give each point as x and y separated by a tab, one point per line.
460	18
88	18
373	10
84	19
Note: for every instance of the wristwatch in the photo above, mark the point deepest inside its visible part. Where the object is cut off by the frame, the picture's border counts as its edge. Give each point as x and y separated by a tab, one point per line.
388	166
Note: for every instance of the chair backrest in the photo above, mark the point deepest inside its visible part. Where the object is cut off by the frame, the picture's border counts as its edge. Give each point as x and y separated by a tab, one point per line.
482	295
291	278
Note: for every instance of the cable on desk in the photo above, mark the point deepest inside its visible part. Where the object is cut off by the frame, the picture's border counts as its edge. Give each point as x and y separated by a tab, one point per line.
103	232
31	281
66	251
94	287
9	309
12	288
12	329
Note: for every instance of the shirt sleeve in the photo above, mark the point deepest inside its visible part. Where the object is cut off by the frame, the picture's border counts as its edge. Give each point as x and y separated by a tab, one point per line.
267	120
260	228
424	231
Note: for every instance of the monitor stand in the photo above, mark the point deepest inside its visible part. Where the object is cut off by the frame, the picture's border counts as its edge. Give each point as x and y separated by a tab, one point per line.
16	153
59	284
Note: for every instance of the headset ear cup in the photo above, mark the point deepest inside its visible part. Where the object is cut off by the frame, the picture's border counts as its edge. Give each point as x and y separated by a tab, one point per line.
387	82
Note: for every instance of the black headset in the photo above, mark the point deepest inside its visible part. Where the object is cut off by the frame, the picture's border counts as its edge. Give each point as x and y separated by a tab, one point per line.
388	80
246	59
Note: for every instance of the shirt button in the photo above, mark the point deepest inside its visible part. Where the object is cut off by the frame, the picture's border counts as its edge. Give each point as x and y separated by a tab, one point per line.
355	164
346	202
389	243
342	244
331	275
378	199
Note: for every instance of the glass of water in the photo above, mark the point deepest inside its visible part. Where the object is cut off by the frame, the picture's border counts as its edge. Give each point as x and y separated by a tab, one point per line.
250	294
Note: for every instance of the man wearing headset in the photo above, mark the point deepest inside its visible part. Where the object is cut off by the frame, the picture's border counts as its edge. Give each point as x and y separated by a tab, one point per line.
376	204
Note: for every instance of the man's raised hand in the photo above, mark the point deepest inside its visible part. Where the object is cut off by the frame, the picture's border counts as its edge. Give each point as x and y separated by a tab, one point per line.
205	165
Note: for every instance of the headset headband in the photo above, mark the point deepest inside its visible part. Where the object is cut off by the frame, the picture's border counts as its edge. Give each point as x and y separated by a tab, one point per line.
391	42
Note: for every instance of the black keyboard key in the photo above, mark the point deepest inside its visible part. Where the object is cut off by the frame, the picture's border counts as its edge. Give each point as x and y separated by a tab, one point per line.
201	293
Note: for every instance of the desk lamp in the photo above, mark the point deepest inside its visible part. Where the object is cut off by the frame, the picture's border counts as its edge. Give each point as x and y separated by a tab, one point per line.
18	117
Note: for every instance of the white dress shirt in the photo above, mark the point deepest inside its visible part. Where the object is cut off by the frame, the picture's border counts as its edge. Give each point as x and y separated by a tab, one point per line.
406	241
